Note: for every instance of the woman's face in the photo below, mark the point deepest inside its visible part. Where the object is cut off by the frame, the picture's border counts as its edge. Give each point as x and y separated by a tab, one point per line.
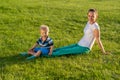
92	17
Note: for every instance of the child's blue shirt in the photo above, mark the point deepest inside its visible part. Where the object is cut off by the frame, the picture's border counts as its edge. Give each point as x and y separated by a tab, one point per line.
45	44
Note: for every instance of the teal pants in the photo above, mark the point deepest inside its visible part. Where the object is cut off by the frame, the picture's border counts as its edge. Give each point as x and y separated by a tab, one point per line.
71	49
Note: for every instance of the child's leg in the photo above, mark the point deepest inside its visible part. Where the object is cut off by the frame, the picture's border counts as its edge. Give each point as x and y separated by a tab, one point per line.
34	55
31	52
24	54
37	54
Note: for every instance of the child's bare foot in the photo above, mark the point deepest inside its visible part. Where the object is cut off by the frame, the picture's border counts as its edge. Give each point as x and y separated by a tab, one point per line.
24	54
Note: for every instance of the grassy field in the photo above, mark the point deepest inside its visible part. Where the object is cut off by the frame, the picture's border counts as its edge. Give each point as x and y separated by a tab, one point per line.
19	30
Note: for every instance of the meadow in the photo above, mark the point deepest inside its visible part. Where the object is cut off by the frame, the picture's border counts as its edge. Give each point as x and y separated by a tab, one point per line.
19	30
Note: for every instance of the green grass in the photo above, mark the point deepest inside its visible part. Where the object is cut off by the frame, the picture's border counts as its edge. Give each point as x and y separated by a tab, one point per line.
19	30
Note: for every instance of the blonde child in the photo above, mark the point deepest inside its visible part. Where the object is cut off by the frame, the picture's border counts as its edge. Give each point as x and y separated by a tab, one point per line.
45	43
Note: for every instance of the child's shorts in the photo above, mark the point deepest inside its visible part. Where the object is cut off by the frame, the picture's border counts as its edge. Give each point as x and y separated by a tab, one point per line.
44	51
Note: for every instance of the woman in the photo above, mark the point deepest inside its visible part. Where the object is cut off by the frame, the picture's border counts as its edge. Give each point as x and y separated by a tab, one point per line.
91	34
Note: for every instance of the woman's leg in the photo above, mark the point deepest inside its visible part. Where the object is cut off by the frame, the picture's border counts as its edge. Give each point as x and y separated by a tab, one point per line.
74	50
65	47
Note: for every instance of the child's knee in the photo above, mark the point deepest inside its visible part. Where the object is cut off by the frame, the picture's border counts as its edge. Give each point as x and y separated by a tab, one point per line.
38	53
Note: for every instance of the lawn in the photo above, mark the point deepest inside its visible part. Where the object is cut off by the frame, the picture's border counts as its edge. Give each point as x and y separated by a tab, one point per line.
19	30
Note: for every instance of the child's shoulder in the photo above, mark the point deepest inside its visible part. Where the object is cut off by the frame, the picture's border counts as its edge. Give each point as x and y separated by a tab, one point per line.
40	38
49	38
50	41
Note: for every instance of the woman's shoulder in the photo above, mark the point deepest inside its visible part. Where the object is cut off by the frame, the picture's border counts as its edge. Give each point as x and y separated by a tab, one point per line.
96	26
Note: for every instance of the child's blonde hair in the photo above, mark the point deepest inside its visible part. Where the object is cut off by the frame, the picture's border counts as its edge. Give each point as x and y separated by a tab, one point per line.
45	28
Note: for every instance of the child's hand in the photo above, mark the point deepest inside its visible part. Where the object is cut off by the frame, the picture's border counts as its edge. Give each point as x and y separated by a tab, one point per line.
30	50
50	54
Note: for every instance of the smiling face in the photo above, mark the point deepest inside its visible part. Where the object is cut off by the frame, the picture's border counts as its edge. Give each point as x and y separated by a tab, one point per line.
44	30
43	33
92	16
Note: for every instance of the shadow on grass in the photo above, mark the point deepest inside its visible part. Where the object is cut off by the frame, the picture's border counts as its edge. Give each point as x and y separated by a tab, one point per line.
10	60
18	59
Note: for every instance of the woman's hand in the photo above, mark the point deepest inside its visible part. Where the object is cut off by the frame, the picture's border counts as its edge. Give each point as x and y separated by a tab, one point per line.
107	53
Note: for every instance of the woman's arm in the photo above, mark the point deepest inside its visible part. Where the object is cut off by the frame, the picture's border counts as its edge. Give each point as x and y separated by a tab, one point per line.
51	50
97	36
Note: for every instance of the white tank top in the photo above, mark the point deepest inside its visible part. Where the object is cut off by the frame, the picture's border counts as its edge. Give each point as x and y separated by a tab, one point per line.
88	39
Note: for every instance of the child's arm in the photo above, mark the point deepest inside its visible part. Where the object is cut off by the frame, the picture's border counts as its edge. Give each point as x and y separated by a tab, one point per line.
51	50
35	45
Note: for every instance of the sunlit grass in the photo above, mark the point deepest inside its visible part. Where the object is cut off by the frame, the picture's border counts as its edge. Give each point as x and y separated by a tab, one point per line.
19	30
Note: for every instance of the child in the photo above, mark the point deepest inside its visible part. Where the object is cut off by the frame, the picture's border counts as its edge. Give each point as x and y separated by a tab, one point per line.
91	34
45	43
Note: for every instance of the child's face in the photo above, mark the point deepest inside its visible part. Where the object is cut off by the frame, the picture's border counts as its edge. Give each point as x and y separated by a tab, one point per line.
43	33
92	17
